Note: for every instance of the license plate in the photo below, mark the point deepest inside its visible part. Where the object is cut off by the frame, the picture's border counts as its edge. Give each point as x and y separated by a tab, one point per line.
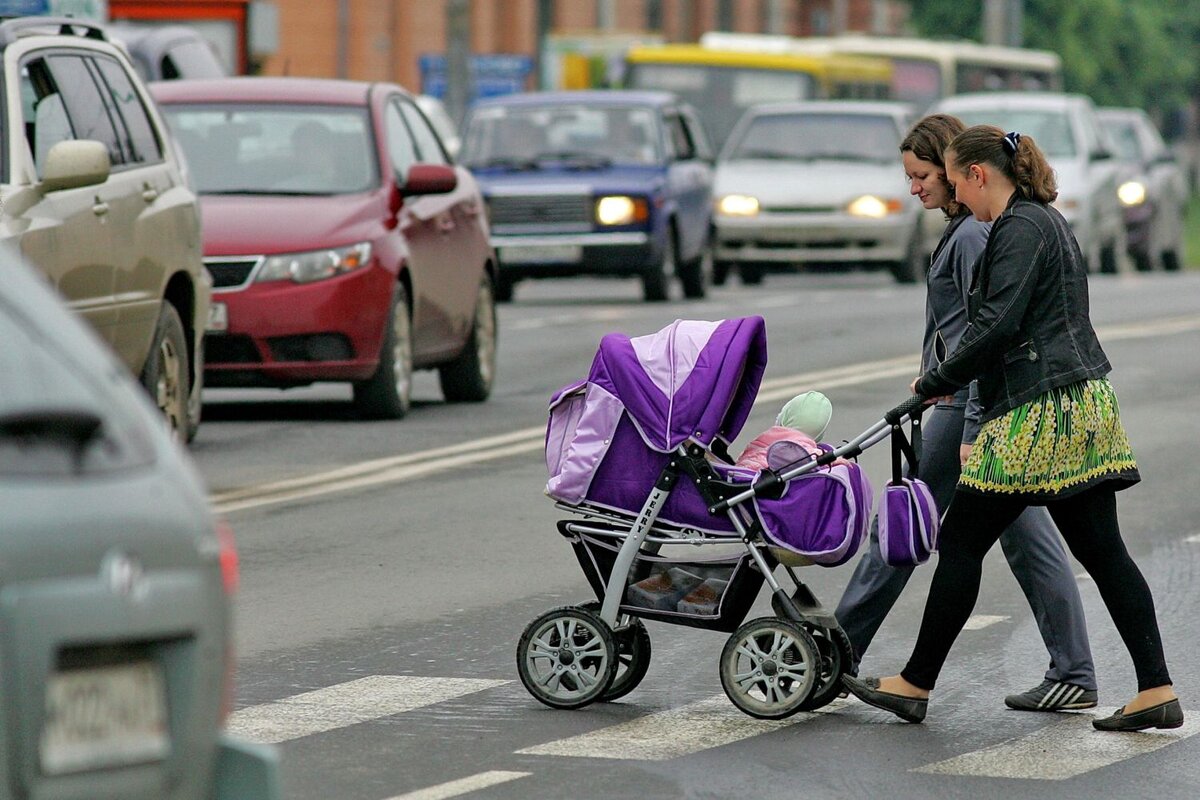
104	717
218	317
546	254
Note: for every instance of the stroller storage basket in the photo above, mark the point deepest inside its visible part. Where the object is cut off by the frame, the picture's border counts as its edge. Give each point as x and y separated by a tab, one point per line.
713	592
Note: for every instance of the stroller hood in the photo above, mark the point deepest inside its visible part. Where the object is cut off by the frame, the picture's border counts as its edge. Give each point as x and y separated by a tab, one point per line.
693	379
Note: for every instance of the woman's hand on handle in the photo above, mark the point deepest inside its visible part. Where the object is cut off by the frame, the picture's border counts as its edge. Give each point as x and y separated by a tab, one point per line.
912	387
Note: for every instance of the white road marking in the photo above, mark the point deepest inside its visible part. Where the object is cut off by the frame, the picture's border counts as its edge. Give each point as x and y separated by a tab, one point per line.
1193	539
1062	750
676	732
347	704
981	621
396	469
462	786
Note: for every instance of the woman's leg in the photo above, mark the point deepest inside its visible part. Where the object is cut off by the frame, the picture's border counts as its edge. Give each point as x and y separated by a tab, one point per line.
1088	522
972	525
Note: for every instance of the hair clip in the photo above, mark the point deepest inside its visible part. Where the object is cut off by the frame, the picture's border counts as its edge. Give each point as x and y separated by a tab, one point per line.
1011	140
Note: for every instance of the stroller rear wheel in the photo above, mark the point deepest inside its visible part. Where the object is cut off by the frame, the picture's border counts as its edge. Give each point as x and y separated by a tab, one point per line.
835	651
633	655
567	657
769	667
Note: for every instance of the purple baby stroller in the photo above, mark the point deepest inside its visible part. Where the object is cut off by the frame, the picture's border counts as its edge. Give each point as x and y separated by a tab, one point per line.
668	529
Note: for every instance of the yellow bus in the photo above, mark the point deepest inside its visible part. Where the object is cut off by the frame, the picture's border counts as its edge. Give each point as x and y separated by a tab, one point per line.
721	83
924	70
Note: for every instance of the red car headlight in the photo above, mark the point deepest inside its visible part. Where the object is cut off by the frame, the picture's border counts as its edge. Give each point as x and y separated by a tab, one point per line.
316	265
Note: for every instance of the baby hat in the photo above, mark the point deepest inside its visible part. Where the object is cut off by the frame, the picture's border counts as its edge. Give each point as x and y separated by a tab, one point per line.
807	412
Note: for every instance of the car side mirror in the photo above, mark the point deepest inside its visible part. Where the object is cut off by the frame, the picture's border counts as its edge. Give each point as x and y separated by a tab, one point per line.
1100	155
75	163
1165	157
430	179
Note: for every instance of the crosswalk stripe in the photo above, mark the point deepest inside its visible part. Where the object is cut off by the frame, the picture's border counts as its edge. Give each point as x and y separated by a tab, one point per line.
981	621
672	733
349	703
463	785
1059	751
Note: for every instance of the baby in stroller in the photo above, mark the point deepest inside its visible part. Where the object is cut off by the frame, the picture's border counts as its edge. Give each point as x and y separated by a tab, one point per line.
800	424
630	452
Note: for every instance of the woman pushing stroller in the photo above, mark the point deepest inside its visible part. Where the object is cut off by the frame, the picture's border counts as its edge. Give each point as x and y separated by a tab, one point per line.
1050	430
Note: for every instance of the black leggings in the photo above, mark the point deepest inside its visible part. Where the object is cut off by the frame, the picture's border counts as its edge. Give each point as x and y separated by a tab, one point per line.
1088	522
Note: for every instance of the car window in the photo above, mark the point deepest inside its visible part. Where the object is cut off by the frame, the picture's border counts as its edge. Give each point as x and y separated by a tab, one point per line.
399	141
46	122
141	143
696	131
429	149
1052	130
810	137
681	141
526	135
1125	136
85	104
242	148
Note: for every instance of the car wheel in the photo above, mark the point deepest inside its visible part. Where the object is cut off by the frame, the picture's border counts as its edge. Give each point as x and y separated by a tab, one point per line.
388	393
909	268
504	289
1108	259
165	374
468	378
195	400
720	272
655	279
751	274
694	274
1171	260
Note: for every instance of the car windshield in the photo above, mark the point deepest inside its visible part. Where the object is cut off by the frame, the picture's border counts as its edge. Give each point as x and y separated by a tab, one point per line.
1125	136
276	149
810	137
530	137
1051	130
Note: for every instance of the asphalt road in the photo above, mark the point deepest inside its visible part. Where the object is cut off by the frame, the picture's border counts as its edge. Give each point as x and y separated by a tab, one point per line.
388	570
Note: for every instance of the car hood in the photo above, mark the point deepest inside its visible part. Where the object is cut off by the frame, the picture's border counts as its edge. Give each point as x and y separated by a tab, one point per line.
609	180
1071	174
809	183
254	224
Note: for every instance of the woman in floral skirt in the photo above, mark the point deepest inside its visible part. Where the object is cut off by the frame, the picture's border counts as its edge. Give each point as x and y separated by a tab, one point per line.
1051	428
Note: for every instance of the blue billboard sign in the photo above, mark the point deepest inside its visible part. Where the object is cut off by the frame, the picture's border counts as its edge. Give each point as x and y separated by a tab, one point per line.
491	75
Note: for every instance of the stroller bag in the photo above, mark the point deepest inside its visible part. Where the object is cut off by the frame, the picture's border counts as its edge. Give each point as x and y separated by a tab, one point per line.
908	516
822	515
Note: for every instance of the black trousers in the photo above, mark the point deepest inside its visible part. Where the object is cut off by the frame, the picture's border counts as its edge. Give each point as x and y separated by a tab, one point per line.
1088	523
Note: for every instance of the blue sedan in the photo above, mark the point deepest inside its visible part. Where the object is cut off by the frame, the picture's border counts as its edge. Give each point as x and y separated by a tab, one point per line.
595	183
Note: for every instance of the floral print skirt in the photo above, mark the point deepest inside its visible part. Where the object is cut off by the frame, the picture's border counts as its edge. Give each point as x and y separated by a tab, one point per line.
1060	443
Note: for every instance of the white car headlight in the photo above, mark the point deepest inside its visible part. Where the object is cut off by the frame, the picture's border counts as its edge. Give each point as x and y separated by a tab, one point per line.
874	207
1132	193
315	266
621	210
738	205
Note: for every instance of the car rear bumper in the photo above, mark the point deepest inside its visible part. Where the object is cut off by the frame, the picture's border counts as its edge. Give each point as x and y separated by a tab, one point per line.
285	334
814	238
561	255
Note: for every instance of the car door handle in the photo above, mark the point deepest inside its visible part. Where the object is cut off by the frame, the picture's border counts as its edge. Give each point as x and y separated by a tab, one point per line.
149	194
100	208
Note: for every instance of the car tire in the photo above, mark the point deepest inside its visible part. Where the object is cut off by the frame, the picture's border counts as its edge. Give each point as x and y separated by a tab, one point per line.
165	374
1171	261
751	274
388	393
695	273
656	279
720	272
909	269
469	378
504	289
195	396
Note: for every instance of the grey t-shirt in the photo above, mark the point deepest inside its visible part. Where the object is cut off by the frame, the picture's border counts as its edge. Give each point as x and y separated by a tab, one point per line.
949	280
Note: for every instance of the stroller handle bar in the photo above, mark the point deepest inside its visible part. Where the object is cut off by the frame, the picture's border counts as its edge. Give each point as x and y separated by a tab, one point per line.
770	480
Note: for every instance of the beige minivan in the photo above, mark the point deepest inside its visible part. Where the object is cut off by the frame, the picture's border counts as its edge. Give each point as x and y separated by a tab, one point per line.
93	193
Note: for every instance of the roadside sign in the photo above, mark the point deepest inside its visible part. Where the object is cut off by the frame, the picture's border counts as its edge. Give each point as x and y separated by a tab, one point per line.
94	10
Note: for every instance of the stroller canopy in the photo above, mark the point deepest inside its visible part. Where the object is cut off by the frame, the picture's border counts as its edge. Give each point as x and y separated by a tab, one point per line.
694	379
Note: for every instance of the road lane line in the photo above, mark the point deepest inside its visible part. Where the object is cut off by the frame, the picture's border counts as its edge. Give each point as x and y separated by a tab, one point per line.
346	704
1061	750
980	621
463	785
1193	539
395	469
712	722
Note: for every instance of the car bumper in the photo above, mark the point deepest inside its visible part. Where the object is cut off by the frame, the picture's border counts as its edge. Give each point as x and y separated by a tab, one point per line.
1138	221
813	237
246	771
285	334
560	255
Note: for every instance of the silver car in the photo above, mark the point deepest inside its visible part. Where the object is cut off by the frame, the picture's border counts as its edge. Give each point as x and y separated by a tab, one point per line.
115	581
816	183
1153	191
1067	130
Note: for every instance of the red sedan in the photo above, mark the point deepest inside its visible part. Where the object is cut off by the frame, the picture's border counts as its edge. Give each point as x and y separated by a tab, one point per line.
343	243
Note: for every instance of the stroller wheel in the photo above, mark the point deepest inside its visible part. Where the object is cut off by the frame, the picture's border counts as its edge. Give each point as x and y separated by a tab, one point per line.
633	655
567	657
769	667
835	651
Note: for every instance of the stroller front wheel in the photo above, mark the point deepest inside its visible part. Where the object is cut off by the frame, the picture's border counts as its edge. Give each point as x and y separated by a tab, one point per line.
769	667
567	657
633	655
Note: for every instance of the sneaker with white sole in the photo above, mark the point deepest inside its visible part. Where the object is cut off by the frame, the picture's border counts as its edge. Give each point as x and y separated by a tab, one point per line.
1053	696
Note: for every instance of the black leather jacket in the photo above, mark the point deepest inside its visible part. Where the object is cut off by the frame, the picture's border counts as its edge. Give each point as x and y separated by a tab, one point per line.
1029	329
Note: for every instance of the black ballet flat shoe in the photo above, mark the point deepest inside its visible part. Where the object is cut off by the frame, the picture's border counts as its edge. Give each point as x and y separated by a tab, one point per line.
909	709
1163	715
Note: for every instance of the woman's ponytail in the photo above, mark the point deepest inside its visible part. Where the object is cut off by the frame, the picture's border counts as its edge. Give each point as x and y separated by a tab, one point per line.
1015	155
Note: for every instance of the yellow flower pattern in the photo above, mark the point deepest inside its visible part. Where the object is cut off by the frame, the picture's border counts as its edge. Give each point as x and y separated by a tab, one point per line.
1068	436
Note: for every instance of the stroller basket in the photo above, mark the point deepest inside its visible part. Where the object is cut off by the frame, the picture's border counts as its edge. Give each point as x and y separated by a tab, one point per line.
713	592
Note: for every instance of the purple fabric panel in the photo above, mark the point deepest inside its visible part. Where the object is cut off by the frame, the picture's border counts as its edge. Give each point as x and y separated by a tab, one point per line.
724	402
903	520
667	357
818	515
930	519
578	435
